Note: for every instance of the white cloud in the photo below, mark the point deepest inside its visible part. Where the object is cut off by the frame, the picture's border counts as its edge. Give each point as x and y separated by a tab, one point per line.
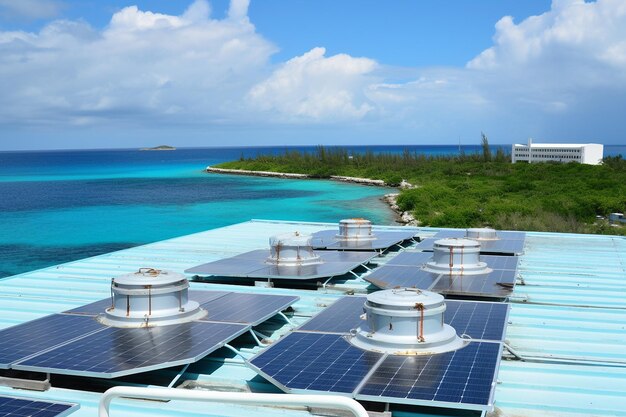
313	86
560	75
142	67
30	9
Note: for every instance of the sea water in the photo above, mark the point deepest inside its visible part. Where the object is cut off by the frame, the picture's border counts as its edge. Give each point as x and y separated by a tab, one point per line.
58	206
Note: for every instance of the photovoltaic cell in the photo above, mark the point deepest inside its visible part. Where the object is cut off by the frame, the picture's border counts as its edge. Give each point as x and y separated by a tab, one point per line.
480	321
246	308
460	379
340	317
115	352
27	407
392	276
252	265
99	307
316	362
24	340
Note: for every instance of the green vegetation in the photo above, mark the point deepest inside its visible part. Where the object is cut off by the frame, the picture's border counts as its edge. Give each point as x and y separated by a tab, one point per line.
479	189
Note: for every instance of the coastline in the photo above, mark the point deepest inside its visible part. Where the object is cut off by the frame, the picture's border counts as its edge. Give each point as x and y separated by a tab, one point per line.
402	217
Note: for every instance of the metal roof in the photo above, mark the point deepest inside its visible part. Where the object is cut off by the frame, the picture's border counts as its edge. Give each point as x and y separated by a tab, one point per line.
568	319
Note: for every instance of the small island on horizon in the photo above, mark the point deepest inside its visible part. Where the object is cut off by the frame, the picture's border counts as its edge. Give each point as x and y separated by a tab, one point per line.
159	148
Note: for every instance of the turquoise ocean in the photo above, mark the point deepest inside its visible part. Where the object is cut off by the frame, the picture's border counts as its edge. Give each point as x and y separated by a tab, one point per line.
58	206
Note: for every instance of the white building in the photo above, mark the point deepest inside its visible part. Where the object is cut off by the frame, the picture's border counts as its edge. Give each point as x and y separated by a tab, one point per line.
584	153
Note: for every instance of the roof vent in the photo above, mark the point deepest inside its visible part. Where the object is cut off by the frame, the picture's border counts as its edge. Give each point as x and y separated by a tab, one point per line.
292	249
406	321
456	257
481	233
355	229
150	297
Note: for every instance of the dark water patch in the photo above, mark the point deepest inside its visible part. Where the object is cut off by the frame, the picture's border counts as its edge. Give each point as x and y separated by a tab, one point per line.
17	259
52	195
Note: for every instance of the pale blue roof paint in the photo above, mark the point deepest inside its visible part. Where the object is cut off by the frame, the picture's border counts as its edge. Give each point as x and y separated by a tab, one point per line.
571	307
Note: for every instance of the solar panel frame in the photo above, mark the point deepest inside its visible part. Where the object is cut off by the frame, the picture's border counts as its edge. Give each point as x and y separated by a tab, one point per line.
236	307
89	356
34	407
40	335
335	263
495	352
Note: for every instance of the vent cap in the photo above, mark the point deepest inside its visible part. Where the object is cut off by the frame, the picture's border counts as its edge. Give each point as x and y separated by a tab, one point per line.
292	249
456	257
150	297
481	233
355	229
405	321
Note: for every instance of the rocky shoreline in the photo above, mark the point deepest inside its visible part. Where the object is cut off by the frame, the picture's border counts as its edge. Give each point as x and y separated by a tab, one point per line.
403	217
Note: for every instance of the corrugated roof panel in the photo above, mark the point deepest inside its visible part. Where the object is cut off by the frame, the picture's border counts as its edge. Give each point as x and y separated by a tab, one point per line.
569	307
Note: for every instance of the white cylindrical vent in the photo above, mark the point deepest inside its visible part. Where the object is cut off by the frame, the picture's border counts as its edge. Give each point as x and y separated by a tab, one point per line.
456	257
355	229
481	233
405	321
150	297
292	249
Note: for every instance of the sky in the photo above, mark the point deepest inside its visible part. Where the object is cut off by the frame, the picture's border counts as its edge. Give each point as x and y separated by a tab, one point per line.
123	73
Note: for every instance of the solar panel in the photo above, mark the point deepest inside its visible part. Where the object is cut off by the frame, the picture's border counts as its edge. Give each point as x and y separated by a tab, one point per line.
24	340
480	321
464	378
496	284
501	262
410	259
246	308
98	307
326	239
340	317
28	407
115	352
252	265
315	362
502	246
392	276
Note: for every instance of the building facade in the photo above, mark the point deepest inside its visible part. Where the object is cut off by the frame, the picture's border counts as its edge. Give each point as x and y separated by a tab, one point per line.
584	153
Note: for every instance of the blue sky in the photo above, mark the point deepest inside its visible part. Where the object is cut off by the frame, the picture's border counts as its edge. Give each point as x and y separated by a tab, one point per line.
93	74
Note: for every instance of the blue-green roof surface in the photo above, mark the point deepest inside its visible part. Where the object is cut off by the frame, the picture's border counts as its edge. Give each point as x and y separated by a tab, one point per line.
568	319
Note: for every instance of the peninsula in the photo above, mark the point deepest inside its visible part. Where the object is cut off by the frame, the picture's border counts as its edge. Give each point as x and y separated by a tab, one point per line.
472	190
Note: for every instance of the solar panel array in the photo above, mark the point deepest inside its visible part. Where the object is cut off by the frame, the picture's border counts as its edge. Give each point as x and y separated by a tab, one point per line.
405	270
252	265
327	239
29	407
508	243
477	319
74	343
318	358
115	352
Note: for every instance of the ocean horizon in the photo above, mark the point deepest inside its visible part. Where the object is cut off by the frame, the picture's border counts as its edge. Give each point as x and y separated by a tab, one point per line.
62	205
